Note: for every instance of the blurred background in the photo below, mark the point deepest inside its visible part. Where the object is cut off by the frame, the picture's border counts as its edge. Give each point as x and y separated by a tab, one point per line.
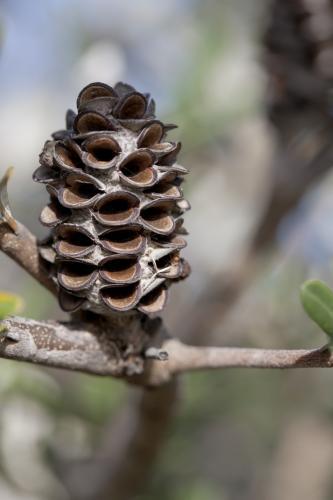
249	84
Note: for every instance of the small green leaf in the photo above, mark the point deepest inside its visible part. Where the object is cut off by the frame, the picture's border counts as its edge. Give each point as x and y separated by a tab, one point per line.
317	300
9	304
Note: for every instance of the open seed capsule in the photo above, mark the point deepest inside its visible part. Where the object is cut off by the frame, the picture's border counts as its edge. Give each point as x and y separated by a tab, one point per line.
90	121
127	240
121	298
74	241
45	175
81	191
94	91
118	208
150	135
132	106
155	216
120	269
137	169
154	301
67	156
169	266
54	213
101	151
76	275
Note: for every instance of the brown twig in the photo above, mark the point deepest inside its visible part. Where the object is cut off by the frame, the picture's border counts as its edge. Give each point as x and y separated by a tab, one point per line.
87	347
21	246
91	350
18	242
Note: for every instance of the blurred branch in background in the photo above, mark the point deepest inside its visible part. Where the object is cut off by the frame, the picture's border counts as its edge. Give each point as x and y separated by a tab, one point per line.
297	49
121	467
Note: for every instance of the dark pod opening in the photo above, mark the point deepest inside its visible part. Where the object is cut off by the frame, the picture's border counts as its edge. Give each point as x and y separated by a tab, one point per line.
121	298
45	174
137	168
103	154
117	208
73	242
102	149
79	194
166	260
122	240
90	122
76	275
94	91
120	270
150	135
66	158
169	265
54	213
84	190
154	301
132	106
158	218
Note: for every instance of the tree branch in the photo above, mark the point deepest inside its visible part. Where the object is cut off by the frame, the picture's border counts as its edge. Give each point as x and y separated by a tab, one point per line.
87	347
21	246
92	348
19	243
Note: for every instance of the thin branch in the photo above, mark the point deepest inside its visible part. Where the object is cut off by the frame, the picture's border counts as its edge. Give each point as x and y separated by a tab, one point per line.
92	348
183	358
19	243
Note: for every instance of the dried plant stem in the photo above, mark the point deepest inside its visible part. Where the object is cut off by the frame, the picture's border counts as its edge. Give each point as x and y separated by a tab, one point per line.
64	346
21	246
18	242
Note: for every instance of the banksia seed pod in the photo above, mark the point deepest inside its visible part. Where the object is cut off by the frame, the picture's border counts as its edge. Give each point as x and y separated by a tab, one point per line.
116	204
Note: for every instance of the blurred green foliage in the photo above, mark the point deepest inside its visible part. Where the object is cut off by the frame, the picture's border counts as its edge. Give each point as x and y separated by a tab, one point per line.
10	304
317	300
